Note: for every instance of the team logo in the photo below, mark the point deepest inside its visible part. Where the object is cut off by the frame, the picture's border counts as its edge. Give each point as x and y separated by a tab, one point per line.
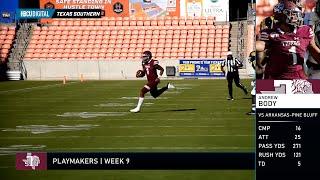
103	12
6	14
118	8
49	5
300	86
31	161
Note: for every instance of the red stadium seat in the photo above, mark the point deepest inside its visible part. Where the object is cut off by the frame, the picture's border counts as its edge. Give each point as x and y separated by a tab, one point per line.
210	54
203	55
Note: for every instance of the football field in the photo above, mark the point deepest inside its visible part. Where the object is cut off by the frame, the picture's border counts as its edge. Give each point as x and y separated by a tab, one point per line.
94	116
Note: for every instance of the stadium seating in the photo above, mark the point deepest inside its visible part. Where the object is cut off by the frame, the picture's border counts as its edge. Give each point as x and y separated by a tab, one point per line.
7	34
124	38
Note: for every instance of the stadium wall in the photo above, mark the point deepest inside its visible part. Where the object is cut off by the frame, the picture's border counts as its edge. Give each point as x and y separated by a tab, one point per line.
90	69
96	69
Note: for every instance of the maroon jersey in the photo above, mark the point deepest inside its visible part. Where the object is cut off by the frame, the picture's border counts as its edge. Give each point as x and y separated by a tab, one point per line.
286	52
150	70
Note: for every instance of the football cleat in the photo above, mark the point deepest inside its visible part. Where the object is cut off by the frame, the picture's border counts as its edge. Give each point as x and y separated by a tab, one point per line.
170	86
135	110
230	98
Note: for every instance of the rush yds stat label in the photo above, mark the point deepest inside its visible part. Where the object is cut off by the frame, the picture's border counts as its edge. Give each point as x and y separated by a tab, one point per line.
287	128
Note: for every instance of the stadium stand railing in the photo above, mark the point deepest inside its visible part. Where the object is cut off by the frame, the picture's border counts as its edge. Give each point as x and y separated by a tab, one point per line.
127	38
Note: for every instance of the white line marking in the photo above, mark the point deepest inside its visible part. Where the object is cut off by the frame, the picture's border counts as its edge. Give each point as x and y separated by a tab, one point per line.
16	148
147	97
121	104
37	87
183	88
172	92
92	114
277	121
133	136
127	119
152	148
40	129
168	126
182	85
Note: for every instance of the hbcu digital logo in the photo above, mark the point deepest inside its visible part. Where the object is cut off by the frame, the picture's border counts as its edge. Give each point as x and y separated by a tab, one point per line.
31	161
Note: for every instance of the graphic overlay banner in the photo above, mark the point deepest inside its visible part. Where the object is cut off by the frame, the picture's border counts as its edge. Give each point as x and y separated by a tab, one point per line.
161	161
108	8
58	13
206	8
287	125
154	8
201	68
111	8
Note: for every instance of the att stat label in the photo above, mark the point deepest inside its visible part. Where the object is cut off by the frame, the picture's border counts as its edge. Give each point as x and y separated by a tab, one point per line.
287	128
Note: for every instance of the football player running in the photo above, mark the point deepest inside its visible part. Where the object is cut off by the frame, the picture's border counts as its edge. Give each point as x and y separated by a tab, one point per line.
149	68
283	47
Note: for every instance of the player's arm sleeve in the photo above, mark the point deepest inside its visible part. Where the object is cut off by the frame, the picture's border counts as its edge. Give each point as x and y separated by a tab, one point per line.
314	51
143	68
311	33
239	63
157	66
263	36
223	64
313	48
261	53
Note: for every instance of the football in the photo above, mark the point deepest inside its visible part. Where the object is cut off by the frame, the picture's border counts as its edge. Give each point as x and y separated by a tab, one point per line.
140	73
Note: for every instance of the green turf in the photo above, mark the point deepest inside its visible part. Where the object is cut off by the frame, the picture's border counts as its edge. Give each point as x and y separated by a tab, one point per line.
195	117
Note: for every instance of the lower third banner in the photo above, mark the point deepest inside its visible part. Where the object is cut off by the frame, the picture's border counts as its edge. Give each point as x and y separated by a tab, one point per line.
165	161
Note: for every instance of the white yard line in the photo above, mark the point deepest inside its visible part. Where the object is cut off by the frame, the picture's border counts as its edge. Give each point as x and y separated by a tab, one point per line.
164	126
142	119
132	136
155	148
13	152
7	167
37	87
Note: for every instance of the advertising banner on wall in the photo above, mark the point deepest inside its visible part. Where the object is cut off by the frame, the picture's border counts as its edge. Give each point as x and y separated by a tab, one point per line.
206	8
154	8
111	8
201	68
7	11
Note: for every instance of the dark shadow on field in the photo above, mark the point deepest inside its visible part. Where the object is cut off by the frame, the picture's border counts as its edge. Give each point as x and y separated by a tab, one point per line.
175	110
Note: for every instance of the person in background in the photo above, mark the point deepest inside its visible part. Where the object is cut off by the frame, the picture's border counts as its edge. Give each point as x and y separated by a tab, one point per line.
313	64
232	65
252	60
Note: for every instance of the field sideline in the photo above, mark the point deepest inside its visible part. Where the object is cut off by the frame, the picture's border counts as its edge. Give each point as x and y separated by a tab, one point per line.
94	116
